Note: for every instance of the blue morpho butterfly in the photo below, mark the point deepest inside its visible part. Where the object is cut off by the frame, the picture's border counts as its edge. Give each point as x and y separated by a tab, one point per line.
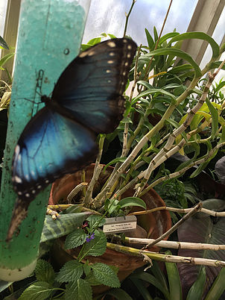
61	138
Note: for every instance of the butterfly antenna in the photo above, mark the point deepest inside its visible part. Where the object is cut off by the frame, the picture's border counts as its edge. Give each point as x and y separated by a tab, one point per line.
40	76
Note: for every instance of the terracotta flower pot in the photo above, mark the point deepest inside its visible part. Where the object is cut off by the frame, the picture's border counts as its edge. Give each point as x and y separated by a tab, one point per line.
155	223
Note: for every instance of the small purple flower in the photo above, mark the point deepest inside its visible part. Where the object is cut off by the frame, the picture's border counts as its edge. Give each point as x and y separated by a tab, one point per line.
90	237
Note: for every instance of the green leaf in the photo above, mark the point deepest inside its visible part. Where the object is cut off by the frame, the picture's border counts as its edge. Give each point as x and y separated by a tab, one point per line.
167	36
3	43
95	247
44	271
105	275
153	91
174	280
144	276
214	114
159	275
64	225
201	36
142	289
5	59
78	290
149	39
95	221
87	268
119	294
90	278
114	161
218	287
94	41
71	271
178	53
37	291
132	201
197	289
222	138
75	239
127	120
219	86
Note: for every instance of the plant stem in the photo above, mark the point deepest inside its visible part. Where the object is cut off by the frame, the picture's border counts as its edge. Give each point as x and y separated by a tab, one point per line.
175	245
193	211
166	258
127	17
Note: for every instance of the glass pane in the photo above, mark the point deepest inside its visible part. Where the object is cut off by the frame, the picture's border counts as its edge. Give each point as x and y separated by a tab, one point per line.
3	6
109	17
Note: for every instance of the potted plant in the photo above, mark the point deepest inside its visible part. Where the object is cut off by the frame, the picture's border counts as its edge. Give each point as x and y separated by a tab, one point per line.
169	114
157	124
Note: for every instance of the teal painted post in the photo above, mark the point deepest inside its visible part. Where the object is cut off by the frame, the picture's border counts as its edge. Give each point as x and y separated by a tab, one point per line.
49	38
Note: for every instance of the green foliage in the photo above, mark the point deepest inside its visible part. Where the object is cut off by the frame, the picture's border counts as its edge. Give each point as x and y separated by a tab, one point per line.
160	107
3	43
105	275
79	290
44	271
174	280
64	225
95	247
71	271
196	291
40	290
75	239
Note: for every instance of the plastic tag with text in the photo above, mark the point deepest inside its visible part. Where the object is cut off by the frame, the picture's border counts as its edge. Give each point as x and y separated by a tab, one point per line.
120	224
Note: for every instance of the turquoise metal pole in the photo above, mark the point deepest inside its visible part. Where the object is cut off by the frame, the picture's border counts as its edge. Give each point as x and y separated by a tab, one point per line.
49	38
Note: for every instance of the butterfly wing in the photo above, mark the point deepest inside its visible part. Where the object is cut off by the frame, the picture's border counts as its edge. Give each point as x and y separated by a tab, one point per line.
92	86
50	146
54	142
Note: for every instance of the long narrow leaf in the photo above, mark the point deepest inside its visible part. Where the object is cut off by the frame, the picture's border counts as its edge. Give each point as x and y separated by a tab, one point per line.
174	280
218	287
149	39
64	225
142	289
152	280
118	294
197	288
179	53
3	43
214	114
200	36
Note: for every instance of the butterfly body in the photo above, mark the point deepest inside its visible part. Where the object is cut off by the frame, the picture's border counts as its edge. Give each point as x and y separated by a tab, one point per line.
61	138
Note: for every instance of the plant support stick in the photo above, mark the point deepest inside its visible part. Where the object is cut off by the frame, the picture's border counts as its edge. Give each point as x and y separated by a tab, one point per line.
49	38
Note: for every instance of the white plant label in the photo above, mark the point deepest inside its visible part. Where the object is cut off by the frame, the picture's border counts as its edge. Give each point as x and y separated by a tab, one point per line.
120	224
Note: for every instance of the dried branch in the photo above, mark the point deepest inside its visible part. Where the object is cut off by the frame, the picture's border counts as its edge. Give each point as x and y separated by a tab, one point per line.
193	211
175	245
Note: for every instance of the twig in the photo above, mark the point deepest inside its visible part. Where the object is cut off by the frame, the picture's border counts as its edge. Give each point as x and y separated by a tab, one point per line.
76	190
174	227
127	17
179	210
160	34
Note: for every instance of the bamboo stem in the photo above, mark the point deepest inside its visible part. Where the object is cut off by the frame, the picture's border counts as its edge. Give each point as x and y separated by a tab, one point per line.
175	245
167	258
